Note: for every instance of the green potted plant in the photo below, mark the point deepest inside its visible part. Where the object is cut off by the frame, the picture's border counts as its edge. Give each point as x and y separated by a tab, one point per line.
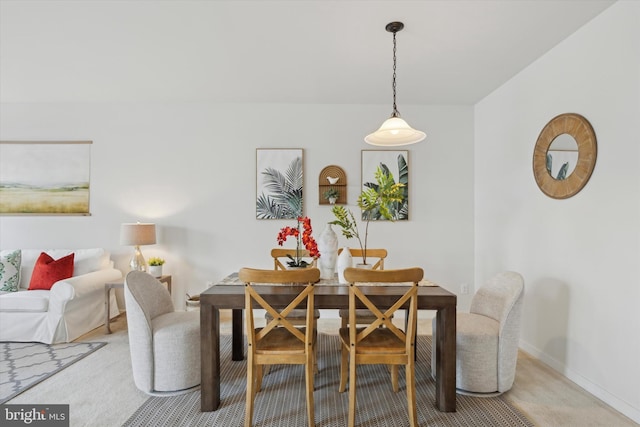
332	194
155	266
375	202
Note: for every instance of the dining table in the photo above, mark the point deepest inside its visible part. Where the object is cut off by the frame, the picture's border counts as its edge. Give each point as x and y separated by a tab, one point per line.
228	293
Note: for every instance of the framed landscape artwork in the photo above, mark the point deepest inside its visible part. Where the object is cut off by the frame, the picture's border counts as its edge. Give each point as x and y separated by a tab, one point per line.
279	179
45	178
396	163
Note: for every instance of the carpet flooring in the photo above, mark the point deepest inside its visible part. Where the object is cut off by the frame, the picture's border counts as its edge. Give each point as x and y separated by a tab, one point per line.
281	401
23	365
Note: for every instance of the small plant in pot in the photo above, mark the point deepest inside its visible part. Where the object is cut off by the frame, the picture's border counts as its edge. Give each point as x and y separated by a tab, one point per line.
332	195
374	202
155	266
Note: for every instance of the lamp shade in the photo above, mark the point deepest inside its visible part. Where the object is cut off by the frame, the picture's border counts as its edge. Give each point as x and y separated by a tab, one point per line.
137	234
393	132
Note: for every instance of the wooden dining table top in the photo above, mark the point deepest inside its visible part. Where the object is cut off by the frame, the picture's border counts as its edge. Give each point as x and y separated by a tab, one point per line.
329	293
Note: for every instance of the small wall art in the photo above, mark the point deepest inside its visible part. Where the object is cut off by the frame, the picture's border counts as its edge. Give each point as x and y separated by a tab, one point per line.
279	183
332	178
45	177
394	162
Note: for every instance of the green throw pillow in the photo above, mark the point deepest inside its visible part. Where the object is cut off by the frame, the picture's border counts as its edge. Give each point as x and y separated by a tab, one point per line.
10	271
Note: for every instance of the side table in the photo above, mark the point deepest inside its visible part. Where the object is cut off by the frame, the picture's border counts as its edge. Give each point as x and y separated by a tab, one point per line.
120	284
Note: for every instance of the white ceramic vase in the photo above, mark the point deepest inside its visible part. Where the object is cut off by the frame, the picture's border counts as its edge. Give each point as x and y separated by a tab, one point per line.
328	248
345	260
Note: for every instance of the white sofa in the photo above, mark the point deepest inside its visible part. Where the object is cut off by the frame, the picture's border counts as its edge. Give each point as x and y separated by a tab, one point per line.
70	309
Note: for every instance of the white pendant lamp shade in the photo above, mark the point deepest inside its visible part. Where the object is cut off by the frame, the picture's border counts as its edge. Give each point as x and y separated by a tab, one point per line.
393	132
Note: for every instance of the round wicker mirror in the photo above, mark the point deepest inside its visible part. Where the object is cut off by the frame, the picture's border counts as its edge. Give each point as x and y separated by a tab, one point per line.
580	129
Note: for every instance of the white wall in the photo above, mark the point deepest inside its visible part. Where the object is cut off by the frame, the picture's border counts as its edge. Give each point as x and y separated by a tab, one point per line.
190	168
580	257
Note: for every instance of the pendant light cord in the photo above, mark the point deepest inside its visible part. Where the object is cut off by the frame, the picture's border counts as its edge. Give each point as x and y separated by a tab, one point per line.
394	131
395	112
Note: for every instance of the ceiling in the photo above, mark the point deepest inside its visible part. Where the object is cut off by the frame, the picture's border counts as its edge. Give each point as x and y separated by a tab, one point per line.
263	51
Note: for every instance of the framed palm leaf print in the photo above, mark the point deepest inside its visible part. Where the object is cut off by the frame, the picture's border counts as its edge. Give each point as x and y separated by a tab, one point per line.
395	163
279	183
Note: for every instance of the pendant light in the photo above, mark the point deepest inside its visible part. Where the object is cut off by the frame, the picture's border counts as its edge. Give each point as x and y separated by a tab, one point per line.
394	131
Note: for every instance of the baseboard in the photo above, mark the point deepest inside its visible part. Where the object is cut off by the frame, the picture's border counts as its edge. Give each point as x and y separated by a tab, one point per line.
616	403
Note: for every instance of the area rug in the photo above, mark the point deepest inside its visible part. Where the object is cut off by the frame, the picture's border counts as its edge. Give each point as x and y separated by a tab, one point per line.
25	364
281	402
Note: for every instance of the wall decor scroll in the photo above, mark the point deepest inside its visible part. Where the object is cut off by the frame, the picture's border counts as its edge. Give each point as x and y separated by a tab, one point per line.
564	155
45	177
279	183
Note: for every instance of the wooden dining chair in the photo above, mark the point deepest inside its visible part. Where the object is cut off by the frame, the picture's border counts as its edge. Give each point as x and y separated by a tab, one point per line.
282	253
279	342
373	344
298	316
363	316
378	254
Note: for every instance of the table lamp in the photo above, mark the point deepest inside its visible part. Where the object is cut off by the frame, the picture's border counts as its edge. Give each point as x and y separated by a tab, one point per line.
136	235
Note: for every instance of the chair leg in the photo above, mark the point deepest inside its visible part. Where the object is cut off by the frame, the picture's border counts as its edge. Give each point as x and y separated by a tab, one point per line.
411	394
344	359
394	378
258	377
251	371
415	338
345	322
352	390
309	384
315	346
315	361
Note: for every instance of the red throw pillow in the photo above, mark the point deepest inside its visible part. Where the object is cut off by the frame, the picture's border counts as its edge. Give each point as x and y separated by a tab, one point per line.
48	271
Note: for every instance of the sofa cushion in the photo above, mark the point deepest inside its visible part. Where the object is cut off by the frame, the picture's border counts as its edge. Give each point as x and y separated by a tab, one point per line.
90	260
23	301
10	271
48	271
85	261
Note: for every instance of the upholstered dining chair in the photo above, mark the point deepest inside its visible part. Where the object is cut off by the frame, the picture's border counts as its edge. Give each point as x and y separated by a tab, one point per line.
279	342
487	337
373	344
164	343
363	315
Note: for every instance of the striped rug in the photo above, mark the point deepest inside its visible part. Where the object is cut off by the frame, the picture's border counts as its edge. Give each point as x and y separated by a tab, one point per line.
281	402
